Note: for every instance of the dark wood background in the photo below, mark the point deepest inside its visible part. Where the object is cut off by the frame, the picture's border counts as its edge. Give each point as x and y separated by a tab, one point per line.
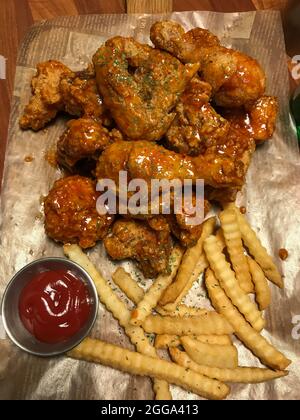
16	16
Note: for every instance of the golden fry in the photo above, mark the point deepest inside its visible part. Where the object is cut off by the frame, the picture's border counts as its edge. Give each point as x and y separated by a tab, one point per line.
118	309
188	265
248	335
222	340
135	293
256	249
210	323
152	296
181	310
129	286
234	244
212	355
199	269
164	341
262	289
221	240
244	375
229	283
138	364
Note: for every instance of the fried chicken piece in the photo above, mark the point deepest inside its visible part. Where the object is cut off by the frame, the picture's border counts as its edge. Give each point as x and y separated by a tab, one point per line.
256	120
140	85
146	160
187	234
84	138
71	215
236	78
81	97
47	99
135	239
196	125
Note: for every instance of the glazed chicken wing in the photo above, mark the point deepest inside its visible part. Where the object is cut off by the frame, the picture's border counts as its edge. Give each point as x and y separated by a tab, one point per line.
140	86
256	120
196	125
81	97
146	160
84	138
46	100
71	215
187	234
236	78
135	239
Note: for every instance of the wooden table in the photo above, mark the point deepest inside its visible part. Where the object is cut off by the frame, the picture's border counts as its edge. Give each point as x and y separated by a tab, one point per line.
16	16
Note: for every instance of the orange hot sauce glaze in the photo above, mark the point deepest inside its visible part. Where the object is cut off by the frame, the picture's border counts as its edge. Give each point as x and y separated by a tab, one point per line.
54	306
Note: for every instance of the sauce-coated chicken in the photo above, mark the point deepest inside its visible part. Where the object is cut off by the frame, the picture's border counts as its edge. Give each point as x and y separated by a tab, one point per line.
84	138
146	160
137	240
140	86
196	125
46	100
257	120
236	78
71	215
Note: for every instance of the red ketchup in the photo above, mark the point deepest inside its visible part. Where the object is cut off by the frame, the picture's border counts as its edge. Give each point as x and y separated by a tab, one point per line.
54	306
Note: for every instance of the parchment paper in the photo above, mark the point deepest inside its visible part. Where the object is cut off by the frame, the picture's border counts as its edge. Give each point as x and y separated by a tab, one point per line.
271	196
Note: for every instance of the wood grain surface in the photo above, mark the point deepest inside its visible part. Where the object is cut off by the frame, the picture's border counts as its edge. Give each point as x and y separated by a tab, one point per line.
16	16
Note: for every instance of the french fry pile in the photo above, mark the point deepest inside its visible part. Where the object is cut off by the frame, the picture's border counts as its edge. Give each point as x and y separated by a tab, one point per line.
199	340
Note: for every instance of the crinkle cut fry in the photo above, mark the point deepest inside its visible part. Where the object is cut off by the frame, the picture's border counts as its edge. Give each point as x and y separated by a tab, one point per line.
120	312
256	249
209	323
164	341
229	283
252	339
261	286
139	364
128	285
189	262
207	354
233	239
154	293
238	375
135	293
199	269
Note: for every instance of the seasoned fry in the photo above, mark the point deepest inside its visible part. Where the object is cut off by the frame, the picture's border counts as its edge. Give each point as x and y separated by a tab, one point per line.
200	267
188	265
135	293
222	340
152	296
221	239
234	244
262	289
164	341
250	337
256	249
181	310
229	283
210	323
212	355
129	286
239	375
119	311
139	364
